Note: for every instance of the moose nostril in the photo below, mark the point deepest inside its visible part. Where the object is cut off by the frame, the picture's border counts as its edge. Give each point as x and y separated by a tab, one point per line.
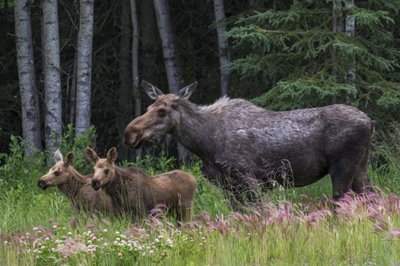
96	184
42	184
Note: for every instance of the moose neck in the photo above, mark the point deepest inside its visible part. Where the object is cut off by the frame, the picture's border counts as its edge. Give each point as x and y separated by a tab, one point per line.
72	187
117	190
195	128
116	187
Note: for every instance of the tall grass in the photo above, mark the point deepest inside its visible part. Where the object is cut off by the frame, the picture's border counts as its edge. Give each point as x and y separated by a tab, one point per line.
290	227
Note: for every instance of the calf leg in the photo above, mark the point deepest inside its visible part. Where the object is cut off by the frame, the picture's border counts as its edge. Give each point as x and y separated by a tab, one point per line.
184	213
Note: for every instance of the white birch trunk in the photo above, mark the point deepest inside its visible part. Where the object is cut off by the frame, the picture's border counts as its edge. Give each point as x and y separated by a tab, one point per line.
84	67
350	29
224	60
26	76
52	80
171	59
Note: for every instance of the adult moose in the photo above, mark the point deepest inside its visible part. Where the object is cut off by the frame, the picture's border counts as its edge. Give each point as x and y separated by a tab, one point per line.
249	145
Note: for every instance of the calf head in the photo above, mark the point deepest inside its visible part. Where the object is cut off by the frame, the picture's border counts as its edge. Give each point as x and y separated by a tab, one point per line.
58	173
104	168
161	118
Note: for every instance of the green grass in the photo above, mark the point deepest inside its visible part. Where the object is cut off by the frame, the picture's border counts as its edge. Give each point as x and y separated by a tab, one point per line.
336	242
216	236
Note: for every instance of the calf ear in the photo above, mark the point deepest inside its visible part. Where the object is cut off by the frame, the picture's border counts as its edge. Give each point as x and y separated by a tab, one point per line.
91	155
69	159
58	156
112	155
187	91
152	91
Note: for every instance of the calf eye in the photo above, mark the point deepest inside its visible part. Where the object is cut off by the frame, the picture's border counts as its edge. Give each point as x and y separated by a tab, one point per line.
56	173
162	112
106	171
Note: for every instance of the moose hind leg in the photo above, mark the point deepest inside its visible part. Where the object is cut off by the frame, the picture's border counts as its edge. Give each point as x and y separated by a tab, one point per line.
342	174
361	180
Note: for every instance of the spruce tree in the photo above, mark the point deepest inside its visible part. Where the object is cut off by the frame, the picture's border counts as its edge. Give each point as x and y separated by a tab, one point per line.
322	52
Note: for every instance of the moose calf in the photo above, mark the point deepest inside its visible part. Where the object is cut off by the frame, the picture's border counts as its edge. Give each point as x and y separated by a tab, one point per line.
74	186
134	191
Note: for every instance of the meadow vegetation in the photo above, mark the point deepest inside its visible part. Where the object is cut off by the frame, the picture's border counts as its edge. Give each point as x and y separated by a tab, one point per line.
289	227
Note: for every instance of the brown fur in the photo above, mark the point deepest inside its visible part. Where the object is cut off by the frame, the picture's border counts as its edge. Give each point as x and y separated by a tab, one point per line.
244	147
76	187
136	192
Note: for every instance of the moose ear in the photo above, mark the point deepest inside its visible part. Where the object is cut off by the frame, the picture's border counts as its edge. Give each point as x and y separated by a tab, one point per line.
112	154
91	155
69	159
152	91
187	91
58	156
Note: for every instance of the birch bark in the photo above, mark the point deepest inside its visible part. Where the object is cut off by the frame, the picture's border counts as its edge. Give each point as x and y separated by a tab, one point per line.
26	76
223	52
52	80
84	67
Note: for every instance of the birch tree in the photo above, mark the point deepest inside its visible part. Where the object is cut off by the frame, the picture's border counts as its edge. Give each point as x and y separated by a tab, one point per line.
84	66
224	60
171	58
350	31
52	81
26	76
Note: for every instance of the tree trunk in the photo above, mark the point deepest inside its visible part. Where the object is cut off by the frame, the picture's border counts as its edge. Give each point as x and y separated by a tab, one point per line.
135	62
222	46
171	58
125	92
84	67
52	80
26	76
350	31
148	40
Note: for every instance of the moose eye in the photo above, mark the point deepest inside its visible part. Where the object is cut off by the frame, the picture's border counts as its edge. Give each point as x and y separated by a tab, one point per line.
106	171
162	112
56	173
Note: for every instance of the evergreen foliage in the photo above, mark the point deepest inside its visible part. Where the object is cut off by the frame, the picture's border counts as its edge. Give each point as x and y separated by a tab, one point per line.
301	55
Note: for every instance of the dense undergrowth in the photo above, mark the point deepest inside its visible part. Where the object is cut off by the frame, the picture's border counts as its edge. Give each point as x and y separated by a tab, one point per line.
290	226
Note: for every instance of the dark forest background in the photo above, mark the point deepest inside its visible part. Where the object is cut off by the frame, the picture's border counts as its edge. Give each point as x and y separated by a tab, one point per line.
280	54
